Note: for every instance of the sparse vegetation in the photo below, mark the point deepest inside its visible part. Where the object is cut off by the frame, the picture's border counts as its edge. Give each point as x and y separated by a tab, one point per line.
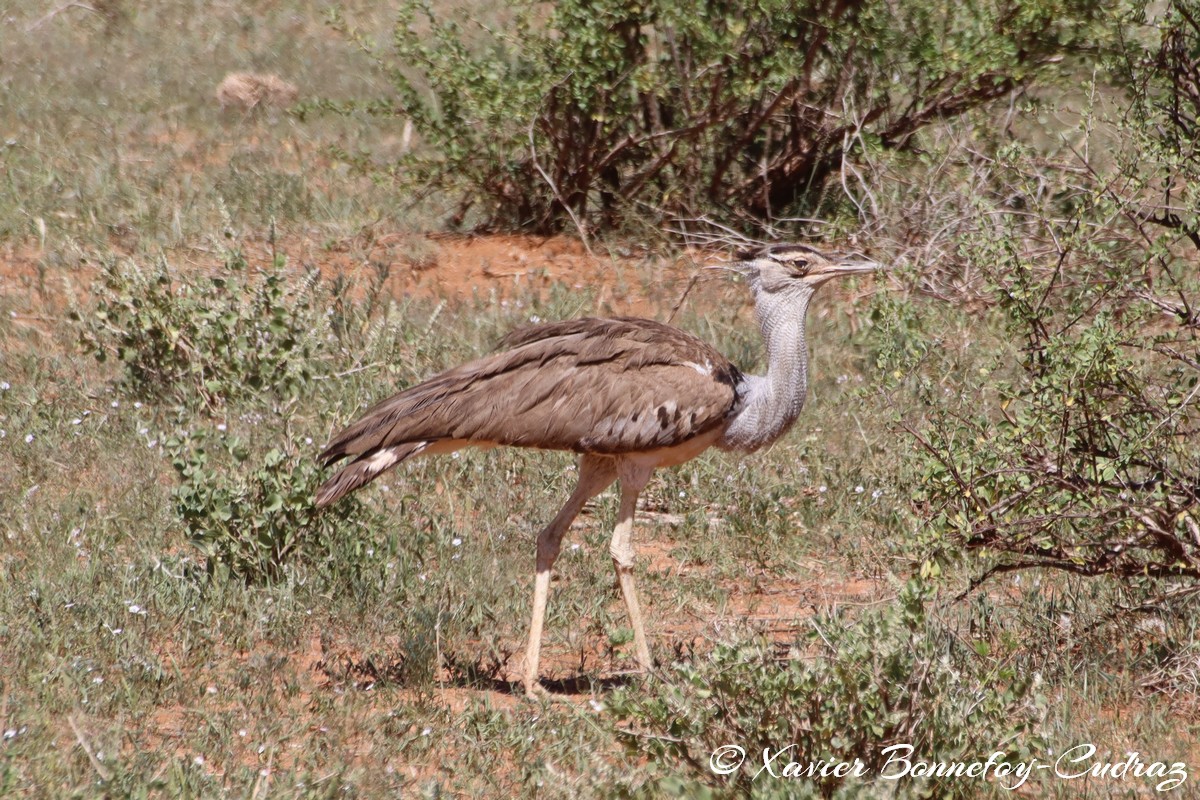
890	678
211	341
981	535
248	519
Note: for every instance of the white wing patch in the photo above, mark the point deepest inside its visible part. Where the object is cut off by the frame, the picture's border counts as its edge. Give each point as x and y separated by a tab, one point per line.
381	460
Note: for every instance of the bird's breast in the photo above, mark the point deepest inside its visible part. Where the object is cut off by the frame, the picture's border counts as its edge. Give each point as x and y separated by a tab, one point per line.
676	454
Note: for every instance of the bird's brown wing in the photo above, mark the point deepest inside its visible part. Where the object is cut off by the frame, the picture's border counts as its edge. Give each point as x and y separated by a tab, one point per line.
606	386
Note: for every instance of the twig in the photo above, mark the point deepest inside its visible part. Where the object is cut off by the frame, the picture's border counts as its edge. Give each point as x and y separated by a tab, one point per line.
643	735
682	297
351	371
64	7
264	777
104	772
33	317
488	272
722	236
579	226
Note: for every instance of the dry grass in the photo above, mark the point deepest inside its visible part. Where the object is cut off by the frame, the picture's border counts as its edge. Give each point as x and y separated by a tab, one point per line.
387	668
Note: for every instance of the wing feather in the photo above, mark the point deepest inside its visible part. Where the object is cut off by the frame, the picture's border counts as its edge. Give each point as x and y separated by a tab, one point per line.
606	386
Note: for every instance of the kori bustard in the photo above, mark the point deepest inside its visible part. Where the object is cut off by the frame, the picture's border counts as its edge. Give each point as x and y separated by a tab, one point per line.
629	395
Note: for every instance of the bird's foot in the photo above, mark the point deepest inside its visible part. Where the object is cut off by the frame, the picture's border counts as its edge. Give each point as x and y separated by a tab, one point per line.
535	692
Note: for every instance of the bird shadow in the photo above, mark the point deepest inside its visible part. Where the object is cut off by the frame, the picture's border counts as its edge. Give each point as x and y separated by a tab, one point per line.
565	688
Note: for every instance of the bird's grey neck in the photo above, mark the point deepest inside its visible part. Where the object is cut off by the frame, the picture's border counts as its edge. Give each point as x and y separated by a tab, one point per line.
770	404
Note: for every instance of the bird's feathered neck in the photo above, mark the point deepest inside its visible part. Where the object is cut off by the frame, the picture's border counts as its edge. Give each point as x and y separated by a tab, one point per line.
769	404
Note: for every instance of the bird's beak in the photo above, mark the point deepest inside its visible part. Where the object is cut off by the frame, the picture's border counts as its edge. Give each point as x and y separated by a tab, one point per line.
848	265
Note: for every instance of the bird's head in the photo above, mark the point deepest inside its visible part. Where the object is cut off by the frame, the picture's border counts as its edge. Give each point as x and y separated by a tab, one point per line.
795	268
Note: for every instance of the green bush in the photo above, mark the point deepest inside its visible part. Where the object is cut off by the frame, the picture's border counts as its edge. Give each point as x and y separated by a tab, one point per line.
252	515
594	111
214	340
896	676
1085	461
1078	450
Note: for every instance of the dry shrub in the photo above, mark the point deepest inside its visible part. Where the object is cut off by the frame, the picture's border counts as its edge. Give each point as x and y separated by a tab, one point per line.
247	91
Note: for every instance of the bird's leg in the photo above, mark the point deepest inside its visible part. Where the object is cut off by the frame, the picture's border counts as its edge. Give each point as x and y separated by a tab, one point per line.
596	473
633	479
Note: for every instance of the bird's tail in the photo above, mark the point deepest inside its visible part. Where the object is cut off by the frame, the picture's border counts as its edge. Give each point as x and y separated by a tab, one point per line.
365	469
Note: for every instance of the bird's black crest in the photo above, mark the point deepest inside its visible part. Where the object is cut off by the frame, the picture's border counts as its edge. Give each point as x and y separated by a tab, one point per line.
779	252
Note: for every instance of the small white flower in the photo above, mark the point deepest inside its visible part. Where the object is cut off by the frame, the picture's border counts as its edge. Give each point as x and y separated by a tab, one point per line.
535	319
98	679
242	733
308	440
137	404
427	731
151	444
211	690
877	494
198	761
858	490
4	386
143	431
596	705
11	733
221	426
454	454
134	608
823	489
76	421
574	546
115	404
28	438
682	494
456	541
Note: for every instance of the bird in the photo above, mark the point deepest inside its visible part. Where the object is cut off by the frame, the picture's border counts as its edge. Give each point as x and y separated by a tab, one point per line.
629	395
